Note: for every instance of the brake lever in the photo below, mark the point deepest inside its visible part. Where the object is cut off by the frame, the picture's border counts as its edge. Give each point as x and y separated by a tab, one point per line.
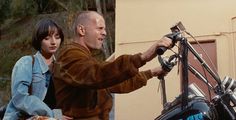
167	65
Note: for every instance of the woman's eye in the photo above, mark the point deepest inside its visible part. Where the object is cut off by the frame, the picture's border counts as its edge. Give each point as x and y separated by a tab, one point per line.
57	36
47	38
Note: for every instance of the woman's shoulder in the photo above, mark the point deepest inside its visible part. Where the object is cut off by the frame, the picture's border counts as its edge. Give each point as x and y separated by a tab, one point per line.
25	60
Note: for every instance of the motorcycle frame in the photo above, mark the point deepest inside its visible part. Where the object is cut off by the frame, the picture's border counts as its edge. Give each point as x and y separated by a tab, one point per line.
185	66
185	46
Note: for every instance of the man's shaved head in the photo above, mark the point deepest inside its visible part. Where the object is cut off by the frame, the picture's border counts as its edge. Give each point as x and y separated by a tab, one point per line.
83	18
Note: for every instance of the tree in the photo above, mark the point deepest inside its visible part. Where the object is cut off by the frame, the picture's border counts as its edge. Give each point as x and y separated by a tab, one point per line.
4	10
108	44
22	8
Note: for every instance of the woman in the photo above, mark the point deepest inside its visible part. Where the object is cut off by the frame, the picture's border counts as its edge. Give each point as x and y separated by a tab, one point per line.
31	75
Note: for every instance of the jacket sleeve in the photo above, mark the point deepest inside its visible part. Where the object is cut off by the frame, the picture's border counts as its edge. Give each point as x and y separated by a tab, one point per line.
80	69
133	83
21	99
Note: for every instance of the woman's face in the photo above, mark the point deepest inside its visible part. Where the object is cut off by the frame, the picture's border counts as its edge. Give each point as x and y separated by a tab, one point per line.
51	43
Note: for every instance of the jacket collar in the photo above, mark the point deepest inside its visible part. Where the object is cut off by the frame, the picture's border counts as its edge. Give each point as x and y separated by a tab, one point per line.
42	64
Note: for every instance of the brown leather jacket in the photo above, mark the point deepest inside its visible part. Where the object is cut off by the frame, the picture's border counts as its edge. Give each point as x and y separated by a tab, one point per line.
83	84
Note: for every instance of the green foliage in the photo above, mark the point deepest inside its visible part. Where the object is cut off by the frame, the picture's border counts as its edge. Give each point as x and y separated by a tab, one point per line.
42	4
4	10
77	5
4	84
11	52
48	6
21	8
5	88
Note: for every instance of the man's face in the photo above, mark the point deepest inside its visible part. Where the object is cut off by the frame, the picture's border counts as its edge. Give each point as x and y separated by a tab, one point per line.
95	33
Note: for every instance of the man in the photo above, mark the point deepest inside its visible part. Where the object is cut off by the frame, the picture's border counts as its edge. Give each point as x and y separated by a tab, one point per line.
83	84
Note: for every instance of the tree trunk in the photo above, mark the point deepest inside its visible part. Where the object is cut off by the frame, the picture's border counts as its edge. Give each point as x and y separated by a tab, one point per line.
98	5
61	4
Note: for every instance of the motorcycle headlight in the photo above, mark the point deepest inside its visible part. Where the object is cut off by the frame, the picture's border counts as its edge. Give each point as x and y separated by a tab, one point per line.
194	90
229	85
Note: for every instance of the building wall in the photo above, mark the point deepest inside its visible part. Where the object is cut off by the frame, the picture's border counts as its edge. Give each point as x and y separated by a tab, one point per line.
140	22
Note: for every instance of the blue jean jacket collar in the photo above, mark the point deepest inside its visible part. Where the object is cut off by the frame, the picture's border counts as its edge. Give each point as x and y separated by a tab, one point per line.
42	63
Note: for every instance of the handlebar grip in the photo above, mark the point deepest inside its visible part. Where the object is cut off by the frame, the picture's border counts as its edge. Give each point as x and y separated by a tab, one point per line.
161	50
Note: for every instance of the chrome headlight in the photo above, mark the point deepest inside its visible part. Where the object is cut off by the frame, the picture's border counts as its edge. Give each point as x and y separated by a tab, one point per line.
229	87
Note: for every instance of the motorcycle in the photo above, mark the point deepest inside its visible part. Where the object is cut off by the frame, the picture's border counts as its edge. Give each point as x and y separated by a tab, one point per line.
192	104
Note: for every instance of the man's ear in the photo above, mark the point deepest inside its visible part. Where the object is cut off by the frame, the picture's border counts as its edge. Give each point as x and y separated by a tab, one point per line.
81	30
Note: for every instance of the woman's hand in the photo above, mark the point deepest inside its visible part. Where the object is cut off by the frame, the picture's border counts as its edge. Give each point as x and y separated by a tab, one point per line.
66	118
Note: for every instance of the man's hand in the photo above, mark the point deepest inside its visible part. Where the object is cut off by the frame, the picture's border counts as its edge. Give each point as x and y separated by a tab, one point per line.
151	52
158	71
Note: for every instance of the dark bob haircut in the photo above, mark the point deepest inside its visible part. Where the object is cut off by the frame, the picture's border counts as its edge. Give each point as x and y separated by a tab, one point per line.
42	29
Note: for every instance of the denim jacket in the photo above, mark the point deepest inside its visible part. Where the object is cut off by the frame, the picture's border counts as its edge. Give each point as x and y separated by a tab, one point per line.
25	76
